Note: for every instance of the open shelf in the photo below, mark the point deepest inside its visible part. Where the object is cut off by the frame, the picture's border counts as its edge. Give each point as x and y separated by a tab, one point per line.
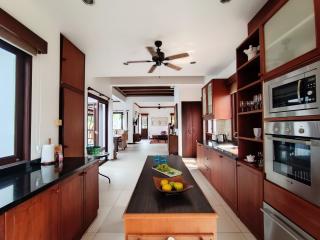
251	61
259	140
250	112
254	40
250	85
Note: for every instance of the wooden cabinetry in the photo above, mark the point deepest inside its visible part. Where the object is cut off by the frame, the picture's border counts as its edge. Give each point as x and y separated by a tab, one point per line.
72	206
216	167
91	194
37	218
229	176
173	144
250	197
216	100
1	226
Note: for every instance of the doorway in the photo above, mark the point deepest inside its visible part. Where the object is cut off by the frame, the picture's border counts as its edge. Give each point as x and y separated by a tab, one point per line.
144	125
191	127
97	122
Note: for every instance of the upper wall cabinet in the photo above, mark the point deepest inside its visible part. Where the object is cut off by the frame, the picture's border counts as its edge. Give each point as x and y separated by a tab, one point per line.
216	100
289	33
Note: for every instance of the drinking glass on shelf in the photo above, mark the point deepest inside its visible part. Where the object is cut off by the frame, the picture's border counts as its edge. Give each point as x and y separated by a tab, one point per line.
260	100
242	106
255	101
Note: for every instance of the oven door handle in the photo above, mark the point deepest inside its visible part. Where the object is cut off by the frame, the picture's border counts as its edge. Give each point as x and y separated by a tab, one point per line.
282	224
299	91
289	140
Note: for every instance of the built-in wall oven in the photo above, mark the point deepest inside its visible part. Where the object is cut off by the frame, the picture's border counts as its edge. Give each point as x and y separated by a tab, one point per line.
294	94
292	157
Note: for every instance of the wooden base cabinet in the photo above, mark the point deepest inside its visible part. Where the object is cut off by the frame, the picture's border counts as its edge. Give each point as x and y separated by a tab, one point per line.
91	194
250	198
175	237
72	207
1	226
229	185
34	219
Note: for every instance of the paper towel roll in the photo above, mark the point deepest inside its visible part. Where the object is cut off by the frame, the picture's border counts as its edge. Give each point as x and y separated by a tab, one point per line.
47	155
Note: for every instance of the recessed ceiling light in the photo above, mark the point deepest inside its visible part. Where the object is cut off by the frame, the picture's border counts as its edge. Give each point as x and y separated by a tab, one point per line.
224	1
89	2
193	62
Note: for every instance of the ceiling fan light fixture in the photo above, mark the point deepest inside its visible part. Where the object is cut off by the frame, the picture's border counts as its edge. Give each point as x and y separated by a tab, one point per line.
88	2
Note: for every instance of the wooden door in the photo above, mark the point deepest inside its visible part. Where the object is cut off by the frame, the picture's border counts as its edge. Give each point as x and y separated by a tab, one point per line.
71	209
72	80
191	127
250	197
229	186
73	123
91	194
36	219
144	126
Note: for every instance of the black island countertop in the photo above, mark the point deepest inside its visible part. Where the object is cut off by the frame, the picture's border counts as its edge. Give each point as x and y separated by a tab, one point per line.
147	199
22	182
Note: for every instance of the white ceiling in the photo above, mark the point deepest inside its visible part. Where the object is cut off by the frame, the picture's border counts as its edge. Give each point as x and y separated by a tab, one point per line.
114	31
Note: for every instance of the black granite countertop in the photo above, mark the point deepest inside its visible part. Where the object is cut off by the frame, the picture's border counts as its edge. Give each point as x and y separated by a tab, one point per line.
147	199
22	182
222	148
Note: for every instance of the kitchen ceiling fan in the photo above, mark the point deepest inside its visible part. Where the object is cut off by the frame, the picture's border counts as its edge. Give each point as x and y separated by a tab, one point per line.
159	58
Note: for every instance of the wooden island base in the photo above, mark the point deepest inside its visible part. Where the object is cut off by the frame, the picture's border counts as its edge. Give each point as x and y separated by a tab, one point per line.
193	226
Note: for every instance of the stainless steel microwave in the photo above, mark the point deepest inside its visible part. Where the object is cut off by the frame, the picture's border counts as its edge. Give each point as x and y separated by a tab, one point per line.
294	94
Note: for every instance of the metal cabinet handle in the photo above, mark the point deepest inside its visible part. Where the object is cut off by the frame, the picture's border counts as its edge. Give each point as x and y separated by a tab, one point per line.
289	140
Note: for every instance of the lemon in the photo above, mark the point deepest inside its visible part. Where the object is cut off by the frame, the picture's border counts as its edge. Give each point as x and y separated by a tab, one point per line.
164	182
167	188
171	183
178	186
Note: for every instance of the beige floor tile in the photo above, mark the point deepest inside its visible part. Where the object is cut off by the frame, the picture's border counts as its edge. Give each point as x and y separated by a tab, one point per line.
113	223
229	236
102	214
88	236
109	236
249	236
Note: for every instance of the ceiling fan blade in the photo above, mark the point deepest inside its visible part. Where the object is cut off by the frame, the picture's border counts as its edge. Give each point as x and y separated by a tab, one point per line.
152	51
143	61
153	67
181	55
175	67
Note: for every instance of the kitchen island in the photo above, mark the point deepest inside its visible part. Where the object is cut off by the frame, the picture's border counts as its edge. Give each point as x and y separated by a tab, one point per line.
152	215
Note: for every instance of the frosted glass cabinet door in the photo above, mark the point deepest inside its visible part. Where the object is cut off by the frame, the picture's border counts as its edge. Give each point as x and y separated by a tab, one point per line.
204	101
290	33
210	98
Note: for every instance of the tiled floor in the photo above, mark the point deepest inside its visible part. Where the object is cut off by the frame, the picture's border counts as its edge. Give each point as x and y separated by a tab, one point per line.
124	174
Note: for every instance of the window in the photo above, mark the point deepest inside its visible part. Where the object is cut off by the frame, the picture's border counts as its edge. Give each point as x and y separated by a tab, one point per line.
97	123
15	102
117	120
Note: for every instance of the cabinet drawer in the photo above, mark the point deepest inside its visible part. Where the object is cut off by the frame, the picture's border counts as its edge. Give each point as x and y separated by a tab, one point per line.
172	237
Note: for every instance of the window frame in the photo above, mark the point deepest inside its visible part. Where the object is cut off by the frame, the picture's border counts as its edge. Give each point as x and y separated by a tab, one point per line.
22	136
121	113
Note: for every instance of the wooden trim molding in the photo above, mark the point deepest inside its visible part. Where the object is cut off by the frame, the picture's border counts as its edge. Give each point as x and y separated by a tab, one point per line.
17	33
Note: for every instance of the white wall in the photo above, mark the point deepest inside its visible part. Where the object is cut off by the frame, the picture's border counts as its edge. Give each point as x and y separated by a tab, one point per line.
45	72
225	73
154	112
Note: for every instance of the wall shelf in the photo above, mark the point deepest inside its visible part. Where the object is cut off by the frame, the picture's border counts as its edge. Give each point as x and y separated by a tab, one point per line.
250	85
254	60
